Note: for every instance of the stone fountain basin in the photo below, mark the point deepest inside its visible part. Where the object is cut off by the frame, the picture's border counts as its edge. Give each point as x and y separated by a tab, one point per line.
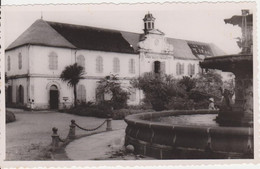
167	141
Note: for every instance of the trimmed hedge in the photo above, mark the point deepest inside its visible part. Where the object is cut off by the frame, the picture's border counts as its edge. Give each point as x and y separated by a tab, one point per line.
122	113
10	117
104	111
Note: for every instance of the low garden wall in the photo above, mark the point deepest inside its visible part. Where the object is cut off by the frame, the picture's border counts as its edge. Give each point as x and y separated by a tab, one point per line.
166	141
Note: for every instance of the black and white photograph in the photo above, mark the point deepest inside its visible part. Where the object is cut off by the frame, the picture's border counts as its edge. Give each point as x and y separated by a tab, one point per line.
129	82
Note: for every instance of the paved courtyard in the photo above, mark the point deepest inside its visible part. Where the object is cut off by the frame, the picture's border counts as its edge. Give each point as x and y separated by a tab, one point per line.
31	132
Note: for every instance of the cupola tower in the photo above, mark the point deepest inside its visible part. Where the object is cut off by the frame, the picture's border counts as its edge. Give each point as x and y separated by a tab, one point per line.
148	22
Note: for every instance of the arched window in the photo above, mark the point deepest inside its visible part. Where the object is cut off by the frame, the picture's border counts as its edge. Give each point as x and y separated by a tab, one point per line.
20	94
149	25
81	93
20	61
116	65
81	61
8	63
99	64
53	61
132	66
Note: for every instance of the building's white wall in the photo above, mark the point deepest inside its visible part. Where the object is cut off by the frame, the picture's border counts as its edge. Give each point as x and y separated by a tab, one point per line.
15	83
42	97
186	63
14	69
90	63
41	77
39	59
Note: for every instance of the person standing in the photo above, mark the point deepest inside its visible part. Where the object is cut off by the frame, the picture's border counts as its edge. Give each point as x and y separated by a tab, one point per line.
211	104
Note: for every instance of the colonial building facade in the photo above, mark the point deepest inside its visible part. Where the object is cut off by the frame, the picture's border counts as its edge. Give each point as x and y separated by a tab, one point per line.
35	60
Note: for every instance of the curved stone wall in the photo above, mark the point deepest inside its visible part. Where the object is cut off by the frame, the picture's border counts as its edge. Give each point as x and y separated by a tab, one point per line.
165	141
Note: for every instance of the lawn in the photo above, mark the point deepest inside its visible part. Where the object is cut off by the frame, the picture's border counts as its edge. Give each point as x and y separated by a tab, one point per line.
31	132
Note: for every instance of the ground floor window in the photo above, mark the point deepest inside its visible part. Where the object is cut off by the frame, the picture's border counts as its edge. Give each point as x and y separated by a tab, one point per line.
132	96
81	94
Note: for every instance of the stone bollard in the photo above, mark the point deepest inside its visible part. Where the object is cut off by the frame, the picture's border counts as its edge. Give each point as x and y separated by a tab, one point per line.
72	131
55	138
109	125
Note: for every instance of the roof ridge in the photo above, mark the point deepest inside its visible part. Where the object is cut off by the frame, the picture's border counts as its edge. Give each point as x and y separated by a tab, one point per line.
93	27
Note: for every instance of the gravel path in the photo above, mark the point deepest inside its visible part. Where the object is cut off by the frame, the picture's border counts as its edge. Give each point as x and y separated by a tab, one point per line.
31	131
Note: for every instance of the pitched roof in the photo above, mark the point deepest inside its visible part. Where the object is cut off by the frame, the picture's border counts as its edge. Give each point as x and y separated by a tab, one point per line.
85	37
181	50
55	34
41	33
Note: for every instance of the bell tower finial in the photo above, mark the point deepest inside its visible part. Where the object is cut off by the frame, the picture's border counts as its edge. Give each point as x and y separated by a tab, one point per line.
41	15
148	22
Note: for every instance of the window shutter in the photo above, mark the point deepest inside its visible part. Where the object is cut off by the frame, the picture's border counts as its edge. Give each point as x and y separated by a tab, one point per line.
116	65
182	69
99	64
81	61
177	68
162	67
20	61
53	61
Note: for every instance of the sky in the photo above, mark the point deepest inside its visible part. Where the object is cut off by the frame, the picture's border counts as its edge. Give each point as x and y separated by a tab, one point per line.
198	22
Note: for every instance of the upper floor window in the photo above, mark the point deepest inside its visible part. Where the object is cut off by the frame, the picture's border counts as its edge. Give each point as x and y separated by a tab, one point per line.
180	69
53	61
20	61
116	65
8	63
81	94
81	61
99	64
131	66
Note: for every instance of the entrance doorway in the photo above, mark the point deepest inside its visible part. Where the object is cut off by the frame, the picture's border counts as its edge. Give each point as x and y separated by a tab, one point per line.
157	67
20	94
54	97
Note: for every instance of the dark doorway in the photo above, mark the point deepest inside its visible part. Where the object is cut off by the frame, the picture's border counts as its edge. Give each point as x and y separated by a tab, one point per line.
54	97
9	94
157	66
20	94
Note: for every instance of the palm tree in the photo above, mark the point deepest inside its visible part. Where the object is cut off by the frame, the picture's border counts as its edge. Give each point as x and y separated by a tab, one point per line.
72	74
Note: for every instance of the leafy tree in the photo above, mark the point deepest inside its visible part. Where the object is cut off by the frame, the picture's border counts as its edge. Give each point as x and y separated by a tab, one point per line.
188	83
158	89
207	85
72	74
111	86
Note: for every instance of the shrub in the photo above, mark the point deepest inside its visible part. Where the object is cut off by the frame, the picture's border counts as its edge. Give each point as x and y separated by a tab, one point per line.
101	110
178	103
10	117
158	89
110	85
